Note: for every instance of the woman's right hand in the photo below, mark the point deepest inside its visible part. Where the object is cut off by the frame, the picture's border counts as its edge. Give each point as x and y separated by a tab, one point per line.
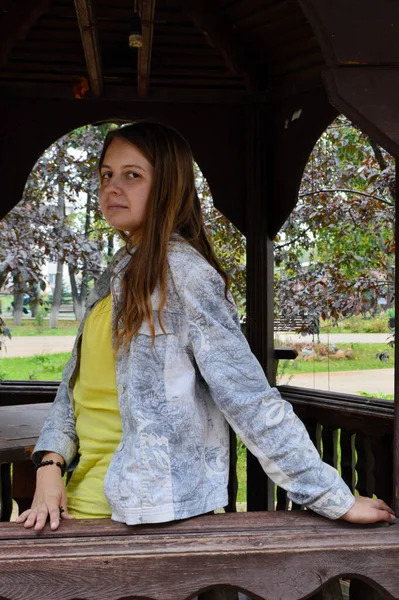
50	497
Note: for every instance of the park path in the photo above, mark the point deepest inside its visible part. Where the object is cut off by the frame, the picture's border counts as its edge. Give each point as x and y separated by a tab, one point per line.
350	382
31	345
374	381
336	338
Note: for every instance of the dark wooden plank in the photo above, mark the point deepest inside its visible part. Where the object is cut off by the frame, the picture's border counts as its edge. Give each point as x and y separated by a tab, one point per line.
19	429
364	465
382	451
233	480
163	562
91	45
16	21
395	498
260	300
361	590
347	459
329	441
23	484
222	36
145	52
348	41
5	492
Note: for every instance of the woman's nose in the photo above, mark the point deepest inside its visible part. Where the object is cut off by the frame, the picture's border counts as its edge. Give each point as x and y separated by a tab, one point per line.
115	185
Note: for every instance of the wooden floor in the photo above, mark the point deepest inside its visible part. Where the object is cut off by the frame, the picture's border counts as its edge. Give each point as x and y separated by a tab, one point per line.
272	556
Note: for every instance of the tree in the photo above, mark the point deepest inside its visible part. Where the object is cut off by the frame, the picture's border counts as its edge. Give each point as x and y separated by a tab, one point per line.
335	253
61	197
62	225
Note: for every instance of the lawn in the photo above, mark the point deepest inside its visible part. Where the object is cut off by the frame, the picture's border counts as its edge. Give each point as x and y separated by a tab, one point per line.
364	358
42	367
34	327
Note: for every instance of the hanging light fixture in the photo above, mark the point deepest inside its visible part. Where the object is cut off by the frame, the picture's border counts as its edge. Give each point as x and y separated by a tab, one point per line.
135	35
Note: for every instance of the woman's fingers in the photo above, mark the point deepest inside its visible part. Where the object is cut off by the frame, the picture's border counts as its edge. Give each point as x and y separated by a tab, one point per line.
66	515
23	516
383	506
37	517
369	510
41	518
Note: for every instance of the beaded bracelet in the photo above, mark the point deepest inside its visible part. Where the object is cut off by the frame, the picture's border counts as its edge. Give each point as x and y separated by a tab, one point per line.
44	463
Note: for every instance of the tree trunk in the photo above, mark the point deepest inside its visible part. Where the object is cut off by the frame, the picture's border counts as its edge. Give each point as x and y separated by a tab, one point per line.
110	245
79	298
34	307
18	306
55	306
3	274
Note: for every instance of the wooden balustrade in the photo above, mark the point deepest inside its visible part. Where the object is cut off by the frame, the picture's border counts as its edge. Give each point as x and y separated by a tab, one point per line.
270	555
352	433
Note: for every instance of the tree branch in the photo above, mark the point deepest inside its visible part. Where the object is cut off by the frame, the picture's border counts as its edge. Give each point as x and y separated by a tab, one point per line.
346	192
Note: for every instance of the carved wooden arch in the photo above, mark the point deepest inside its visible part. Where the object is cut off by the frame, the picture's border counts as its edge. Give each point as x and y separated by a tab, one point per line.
362	57
216	134
297	124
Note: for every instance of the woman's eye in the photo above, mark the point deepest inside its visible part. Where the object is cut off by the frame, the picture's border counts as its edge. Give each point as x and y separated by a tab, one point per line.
106	175
133	175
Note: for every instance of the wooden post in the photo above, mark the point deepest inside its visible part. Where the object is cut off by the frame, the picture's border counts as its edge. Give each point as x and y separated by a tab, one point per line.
260	490
396	421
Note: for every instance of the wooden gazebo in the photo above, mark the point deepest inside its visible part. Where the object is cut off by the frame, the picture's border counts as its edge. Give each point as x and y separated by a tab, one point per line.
252	85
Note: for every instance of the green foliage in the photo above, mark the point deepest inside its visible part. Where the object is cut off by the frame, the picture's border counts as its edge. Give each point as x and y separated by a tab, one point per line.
378	395
335	253
358	324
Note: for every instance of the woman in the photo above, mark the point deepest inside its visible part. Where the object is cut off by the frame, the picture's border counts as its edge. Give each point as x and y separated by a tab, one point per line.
160	368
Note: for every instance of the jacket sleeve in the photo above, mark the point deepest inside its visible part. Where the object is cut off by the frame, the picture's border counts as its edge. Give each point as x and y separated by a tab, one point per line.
265	422
58	433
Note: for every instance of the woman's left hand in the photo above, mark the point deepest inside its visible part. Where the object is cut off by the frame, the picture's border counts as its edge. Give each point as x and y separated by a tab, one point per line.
369	510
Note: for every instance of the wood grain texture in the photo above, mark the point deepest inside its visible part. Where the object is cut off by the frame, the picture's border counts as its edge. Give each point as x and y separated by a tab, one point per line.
144	53
283	556
19	429
91	46
395	456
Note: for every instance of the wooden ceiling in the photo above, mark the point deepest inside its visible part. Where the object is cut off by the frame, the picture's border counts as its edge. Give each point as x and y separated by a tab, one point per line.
232	48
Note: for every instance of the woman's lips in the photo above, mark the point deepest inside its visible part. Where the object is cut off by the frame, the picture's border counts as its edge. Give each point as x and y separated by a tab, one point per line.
116	207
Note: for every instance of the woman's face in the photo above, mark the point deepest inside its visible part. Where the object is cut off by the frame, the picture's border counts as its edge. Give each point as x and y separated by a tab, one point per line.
125	184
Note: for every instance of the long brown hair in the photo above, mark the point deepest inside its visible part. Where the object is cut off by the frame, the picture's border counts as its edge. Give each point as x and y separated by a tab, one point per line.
173	207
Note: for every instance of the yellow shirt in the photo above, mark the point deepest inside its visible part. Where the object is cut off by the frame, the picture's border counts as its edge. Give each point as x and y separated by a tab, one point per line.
98	422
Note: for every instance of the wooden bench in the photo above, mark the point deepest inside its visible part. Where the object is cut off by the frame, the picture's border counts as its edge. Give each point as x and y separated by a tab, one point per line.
269	556
284	323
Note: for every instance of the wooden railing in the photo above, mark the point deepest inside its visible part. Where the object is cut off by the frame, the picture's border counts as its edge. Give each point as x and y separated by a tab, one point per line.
352	433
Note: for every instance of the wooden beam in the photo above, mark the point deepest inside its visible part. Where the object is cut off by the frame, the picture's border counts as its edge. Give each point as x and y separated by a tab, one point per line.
91	46
222	36
395	499
16	20
118	93
144	53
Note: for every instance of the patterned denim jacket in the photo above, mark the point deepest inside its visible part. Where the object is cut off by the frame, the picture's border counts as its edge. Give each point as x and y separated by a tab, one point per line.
176	399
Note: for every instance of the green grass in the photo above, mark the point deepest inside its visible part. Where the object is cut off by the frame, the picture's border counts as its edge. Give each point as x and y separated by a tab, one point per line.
42	367
358	324
31	328
241	471
364	359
